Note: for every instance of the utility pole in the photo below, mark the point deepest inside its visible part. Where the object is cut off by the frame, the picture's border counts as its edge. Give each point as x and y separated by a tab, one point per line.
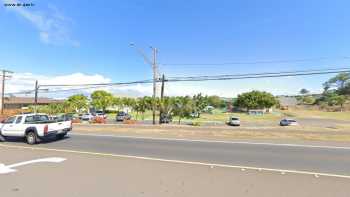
161	99
4	76
36	96
154	65
154	68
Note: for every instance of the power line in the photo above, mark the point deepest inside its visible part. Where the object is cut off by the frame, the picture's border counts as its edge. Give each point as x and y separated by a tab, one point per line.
309	72
87	86
254	62
97	84
217	78
266	73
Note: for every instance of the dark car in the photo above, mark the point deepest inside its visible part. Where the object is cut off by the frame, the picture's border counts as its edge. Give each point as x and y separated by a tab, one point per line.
164	118
121	116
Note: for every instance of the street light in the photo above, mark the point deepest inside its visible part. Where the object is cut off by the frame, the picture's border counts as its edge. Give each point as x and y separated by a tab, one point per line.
153	63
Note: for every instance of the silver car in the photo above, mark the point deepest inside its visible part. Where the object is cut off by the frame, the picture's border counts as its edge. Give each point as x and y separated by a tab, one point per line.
234	121
288	122
121	116
87	117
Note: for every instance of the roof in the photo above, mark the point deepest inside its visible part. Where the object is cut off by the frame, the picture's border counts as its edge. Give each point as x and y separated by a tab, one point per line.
30	100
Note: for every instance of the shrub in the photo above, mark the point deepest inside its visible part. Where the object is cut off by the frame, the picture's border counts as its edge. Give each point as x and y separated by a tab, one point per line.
76	120
129	121
196	123
98	120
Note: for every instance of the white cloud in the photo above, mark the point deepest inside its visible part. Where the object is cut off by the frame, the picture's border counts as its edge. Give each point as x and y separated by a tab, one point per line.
53	26
25	82
21	82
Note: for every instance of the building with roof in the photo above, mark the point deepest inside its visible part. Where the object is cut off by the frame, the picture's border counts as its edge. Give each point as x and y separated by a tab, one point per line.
20	102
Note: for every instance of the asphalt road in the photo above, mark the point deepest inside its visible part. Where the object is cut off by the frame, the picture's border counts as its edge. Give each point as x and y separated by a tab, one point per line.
92	175
312	159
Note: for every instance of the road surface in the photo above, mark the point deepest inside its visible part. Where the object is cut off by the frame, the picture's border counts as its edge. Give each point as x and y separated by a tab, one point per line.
285	157
100	165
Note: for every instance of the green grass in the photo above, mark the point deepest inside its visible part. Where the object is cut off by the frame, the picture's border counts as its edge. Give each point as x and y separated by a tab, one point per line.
217	115
318	114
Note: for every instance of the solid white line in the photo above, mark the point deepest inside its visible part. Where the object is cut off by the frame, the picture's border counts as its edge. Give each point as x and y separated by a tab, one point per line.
215	141
316	174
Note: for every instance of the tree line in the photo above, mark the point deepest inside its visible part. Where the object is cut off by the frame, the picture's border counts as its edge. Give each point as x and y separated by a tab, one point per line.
336	92
181	106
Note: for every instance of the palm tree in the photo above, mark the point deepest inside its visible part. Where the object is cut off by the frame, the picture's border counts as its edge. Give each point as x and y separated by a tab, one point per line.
182	107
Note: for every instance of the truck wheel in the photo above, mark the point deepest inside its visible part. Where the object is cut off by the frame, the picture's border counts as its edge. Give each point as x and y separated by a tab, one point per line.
31	138
2	138
61	136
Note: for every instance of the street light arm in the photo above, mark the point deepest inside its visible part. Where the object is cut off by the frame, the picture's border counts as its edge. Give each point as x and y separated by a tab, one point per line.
147	60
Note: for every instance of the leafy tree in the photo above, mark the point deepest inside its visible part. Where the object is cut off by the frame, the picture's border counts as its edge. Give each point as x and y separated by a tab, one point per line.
128	102
78	102
345	90
117	102
340	82
309	100
167	105
304	91
140	106
334	99
255	100
101	99
148	102
182	107
216	101
199	103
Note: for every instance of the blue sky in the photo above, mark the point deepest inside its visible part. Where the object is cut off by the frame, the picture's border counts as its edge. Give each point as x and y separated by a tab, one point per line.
58	38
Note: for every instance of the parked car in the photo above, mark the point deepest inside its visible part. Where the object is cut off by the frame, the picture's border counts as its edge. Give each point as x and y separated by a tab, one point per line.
234	121
101	114
87	116
164	118
121	116
65	117
53	117
288	122
34	127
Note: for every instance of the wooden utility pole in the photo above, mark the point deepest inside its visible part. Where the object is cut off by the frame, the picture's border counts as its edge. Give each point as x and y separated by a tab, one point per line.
161	99
4	76
36	96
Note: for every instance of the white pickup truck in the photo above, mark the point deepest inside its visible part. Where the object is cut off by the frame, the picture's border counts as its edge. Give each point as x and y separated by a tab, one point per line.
33	127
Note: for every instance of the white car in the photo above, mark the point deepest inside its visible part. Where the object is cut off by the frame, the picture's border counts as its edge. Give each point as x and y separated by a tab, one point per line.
101	114
87	117
33	127
234	121
288	122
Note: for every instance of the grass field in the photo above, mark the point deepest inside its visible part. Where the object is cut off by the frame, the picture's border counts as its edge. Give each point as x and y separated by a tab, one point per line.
318	114
219	116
